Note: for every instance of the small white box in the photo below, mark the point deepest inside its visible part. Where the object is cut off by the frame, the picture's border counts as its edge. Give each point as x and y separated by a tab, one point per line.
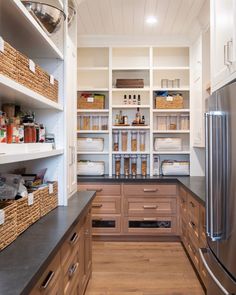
89	168
89	144
167	144
175	168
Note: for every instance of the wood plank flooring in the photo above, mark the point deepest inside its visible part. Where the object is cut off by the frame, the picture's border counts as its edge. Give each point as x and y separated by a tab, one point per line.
147	268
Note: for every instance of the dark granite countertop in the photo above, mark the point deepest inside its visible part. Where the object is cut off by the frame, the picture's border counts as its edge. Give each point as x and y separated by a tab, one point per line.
24	261
194	184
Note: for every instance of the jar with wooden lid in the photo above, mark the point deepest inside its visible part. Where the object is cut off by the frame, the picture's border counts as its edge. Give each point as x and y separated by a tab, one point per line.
126	165
142	141
124	140
144	165
115	141
173	122
133	165
117	164
134	141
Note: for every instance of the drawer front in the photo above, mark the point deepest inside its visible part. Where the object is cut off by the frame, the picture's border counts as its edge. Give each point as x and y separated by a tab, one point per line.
101	189
107	224
106	205
147	206
150	225
193	210
183	203
193	229
71	273
184	234
202	227
192	249
149	190
203	273
70	245
50	282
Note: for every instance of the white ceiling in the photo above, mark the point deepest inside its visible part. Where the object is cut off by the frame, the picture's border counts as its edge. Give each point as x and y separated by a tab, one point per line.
127	17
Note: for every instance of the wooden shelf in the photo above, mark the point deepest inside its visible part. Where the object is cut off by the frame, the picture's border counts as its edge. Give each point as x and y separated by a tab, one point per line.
13	92
12	158
171	110
93	131
33	40
129	106
93	111
171	131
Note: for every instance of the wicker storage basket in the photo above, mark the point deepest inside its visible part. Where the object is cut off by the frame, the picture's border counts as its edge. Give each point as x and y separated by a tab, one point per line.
95	101
28	211
173	102
49	86
49	198
8	60
8	230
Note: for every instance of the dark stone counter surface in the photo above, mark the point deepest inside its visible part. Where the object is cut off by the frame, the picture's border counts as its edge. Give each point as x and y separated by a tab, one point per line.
194	184
23	262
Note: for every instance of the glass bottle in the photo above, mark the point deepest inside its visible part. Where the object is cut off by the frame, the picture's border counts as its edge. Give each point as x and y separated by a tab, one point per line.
134	141
115	141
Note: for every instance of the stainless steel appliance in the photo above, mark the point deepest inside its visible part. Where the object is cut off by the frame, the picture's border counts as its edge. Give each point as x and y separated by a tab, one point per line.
220	256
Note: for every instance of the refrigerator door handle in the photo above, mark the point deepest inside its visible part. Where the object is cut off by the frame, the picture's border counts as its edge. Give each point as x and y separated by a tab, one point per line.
224	291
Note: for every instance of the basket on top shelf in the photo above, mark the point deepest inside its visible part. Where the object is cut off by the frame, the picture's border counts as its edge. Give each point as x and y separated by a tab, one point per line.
8	223
91	101
49	198
166	101
8	60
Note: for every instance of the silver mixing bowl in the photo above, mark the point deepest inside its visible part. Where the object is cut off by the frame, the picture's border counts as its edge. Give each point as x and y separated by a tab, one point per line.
48	16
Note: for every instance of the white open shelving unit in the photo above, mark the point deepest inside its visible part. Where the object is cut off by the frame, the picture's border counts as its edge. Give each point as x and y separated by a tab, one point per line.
151	64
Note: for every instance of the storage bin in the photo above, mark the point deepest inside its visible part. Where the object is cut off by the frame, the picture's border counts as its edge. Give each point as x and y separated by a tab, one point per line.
8	60
94	168
8	223
175	168
184	122
90	144
162	122
90	101
167	144
49	85
130	83
170	102
48	198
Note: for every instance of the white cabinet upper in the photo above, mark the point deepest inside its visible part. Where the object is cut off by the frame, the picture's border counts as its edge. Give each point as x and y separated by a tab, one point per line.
223	42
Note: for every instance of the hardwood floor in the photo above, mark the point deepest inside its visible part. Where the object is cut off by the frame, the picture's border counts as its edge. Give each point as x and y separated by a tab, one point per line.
132	268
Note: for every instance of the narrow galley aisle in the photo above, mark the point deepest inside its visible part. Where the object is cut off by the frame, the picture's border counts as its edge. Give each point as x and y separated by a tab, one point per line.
146	268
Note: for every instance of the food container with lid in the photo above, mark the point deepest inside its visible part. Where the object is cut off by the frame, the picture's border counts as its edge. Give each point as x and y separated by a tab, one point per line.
134	141
116	141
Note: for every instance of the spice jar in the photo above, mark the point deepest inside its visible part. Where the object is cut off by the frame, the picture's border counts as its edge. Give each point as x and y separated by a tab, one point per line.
134	137
144	165
115	141
28	136
10	129
124	140
117	164
134	165
86	123
162	122
126	165
104	122
95	122
173	119
142	141
184	122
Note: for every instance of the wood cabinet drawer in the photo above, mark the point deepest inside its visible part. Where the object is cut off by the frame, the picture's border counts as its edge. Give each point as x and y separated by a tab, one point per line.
193	210
150	225
149	190
71	273
203	272
106	205
192	249
184	233
147	206
101	189
202	227
183	203
50	281
106	224
193	229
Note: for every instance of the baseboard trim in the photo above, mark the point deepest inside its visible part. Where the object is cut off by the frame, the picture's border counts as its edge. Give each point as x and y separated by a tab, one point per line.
137	238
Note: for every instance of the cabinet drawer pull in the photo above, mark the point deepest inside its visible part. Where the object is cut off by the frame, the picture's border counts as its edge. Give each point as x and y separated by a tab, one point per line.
97	190
74	239
86	232
149	219
73	269
97	205
150	190
192	204
192	249
150	207
47	280
193	225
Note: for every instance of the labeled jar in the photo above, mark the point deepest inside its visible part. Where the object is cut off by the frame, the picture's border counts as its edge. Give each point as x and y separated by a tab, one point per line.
126	165
173	122
162	122
142	141
124	141
134	165
115	141
95	122
134	141
117	164
144	165
184	122
104	122
86	123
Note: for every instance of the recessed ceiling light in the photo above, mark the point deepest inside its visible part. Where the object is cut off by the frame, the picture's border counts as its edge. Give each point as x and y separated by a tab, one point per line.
151	20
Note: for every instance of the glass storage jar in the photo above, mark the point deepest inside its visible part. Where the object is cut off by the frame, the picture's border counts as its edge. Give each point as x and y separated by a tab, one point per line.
144	165
79	122
142	141
173	122
162	122
126	165
86	122
184	122
115	141
134	141
134	165
117	164
124	140
156	166
95	122
104	122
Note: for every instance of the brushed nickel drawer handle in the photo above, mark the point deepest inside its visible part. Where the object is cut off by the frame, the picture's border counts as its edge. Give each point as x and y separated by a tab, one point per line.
150	190
97	190
150	207
74	239
191	248
72	270
149	219
97	205
192	204
47	280
193	225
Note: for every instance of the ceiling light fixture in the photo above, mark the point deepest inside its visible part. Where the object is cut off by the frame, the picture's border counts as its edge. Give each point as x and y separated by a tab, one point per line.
151	20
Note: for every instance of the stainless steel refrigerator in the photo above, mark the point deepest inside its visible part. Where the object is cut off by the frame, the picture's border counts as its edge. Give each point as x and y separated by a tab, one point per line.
219	257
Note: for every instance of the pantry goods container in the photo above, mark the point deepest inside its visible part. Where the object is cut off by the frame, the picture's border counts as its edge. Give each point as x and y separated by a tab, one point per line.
91	101
91	168
142	141
104	122
133	165
95	122
170	102
134	141
117	164
8	60
184	122
90	144
162	122
86	125
116	141
49	197
144	165
124	140
167	144
175	168
126	165
173	122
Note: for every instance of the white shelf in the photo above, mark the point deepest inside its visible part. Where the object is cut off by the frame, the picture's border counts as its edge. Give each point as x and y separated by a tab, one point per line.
131	89
34	41
93	111
171	131
130	153
91	89
13	92
156	88
131	127
12	158
171	68
93	68
171	153
128	106
131	69
93	131
93	153
171	110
